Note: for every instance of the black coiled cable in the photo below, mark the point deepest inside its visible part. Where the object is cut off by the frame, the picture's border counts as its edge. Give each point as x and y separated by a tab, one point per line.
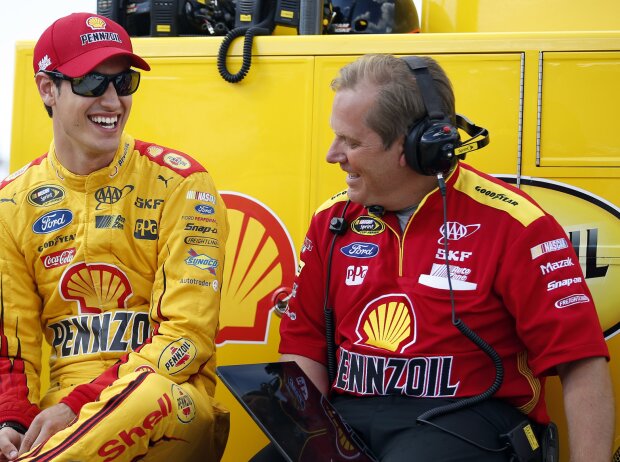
264	28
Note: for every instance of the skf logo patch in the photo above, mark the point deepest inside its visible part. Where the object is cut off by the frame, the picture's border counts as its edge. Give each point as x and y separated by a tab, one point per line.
387	323
46	195
177	356
111	194
203	262
186	410
367	226
145	229
142	203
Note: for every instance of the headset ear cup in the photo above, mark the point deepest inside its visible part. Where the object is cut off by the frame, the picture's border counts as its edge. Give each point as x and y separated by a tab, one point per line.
412	152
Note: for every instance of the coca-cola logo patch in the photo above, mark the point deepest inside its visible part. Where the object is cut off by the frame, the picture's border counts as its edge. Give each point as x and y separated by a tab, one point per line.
60	258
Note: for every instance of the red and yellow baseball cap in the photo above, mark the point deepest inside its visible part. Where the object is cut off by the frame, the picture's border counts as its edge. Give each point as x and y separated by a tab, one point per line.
75	44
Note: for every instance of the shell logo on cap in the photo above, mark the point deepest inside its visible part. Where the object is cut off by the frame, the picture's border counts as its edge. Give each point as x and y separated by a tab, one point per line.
96	23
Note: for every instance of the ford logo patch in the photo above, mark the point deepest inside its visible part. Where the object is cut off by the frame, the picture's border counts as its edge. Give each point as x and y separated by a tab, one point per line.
204	209
360	250
52	221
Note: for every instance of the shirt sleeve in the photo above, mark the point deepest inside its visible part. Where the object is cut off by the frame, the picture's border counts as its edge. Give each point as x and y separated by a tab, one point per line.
185	300
544	287
302	329
20	335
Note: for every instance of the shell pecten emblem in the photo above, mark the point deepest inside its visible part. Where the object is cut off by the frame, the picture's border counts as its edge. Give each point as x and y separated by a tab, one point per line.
388	323
260	260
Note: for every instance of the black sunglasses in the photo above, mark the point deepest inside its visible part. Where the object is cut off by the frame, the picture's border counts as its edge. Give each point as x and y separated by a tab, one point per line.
95	84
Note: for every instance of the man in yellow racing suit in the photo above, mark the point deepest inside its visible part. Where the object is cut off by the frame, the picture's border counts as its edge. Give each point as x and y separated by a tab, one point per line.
113	250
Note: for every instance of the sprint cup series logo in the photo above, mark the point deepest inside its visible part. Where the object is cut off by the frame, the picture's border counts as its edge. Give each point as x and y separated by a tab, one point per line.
260	259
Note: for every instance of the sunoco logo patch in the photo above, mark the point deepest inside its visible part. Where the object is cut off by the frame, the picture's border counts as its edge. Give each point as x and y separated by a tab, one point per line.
177	356
367	226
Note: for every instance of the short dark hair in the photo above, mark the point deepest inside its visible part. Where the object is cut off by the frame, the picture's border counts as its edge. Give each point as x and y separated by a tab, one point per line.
398	103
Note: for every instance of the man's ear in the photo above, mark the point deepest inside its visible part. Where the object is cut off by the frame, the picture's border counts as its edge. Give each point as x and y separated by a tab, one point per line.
401	148
47	88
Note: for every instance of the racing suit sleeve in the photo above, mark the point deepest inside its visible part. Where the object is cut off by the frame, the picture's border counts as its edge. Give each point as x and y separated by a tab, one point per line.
302	328
20	335
543	286
185	299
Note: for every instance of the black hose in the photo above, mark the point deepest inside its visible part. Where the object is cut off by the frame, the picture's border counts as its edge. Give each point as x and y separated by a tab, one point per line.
264	28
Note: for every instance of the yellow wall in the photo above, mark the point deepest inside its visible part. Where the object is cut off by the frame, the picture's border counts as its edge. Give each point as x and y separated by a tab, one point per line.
548	100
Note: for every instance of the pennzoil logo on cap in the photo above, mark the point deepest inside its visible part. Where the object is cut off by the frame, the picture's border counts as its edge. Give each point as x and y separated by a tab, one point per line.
98	25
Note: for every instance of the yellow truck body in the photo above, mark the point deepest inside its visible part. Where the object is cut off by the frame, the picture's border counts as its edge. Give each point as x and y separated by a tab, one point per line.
549	99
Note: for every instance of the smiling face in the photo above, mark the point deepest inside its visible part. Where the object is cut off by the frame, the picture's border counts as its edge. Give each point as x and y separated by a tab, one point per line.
375	175
87	130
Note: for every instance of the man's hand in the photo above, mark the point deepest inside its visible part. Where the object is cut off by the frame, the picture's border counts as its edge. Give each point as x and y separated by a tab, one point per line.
10	442
46	424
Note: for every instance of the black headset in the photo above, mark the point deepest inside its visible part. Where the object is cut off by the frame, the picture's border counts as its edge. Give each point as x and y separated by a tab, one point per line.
433	144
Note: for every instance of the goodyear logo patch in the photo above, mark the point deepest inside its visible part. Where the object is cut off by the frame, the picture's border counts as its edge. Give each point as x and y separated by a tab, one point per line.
367	226
186	410
177	356
46	195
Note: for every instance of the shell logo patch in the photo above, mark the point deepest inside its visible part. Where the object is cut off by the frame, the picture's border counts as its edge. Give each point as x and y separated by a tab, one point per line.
112	290
260	259
387	323
154	151
177	356
186	410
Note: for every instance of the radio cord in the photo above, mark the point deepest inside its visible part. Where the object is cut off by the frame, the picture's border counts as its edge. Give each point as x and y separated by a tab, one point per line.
471	335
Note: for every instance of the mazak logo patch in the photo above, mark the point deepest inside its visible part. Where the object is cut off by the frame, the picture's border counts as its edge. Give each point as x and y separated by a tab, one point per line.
52	221
367	226
360	250
453	231
177	356
45	195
